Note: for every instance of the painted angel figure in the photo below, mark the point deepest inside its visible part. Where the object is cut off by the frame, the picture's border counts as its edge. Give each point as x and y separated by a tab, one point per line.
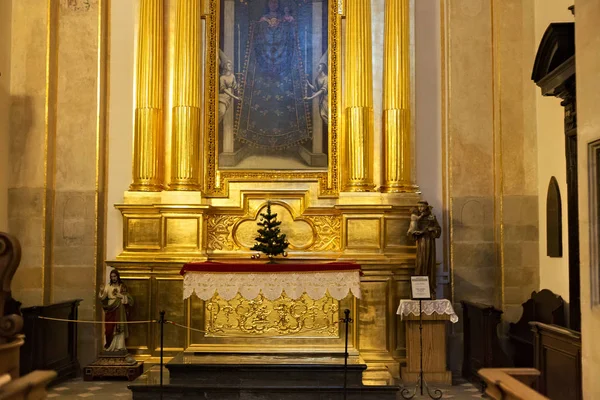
320	90
227	85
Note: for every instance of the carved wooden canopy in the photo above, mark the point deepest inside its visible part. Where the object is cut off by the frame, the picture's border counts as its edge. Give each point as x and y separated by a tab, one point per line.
555	59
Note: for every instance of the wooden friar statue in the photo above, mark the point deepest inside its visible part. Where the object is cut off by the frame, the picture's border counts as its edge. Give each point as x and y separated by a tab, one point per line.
424	229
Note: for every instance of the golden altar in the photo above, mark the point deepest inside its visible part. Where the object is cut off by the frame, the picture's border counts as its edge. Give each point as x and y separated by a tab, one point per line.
344	194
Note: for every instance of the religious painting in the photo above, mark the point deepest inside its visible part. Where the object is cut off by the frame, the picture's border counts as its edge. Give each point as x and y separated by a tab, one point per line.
273	94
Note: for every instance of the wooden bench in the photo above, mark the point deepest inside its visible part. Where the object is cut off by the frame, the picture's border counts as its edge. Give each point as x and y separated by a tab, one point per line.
31	386
510	383
543	306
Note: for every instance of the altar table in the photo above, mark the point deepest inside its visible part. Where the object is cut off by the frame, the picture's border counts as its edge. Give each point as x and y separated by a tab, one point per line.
206	279
435	313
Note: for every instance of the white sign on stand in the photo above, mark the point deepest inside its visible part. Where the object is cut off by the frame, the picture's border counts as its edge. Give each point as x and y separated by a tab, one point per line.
419	288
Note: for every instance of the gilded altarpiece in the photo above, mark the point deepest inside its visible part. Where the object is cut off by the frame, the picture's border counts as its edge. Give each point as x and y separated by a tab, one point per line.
191	201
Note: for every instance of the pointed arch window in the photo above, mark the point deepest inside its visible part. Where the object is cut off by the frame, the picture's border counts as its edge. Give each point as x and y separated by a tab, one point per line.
553	220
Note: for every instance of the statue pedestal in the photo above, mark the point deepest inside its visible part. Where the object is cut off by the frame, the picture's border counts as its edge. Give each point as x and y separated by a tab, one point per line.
434	316
113	364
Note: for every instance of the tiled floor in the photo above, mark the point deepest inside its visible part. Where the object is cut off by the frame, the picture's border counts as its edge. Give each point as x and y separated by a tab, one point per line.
116	390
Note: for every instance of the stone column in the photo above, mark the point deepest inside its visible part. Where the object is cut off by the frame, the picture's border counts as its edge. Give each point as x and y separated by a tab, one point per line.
148	141
185	143
397	127
358	143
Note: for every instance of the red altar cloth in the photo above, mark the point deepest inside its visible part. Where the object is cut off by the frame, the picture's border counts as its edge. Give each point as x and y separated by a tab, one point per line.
205	279
211	266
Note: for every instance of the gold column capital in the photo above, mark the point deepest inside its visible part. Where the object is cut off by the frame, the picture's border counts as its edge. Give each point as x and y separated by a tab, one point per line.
358	143
397	121
148	141
185	143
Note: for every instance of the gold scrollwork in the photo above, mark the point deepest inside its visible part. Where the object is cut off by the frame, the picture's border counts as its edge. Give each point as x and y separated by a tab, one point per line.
217	181
263	317
219	228
328	232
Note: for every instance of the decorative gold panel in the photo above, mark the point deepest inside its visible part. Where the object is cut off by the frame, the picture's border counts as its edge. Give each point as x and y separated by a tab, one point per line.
217	180
261	317
219	228
142	233
168	295
395	233
139	334
318	233
373	322
328	232
182	232
363	233
299	233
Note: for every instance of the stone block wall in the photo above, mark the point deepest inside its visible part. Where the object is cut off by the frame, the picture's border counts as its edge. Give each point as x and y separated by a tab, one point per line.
56	186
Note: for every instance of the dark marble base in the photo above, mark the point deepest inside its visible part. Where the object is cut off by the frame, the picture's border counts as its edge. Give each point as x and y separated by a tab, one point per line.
172	392
259	377
113	367
264	369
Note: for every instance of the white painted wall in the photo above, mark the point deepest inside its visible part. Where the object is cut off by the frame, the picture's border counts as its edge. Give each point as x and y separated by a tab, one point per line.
5	46
554	272
123	26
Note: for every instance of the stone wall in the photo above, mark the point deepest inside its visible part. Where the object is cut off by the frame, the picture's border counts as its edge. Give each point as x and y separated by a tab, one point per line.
5	27
587	42
56	187
491	141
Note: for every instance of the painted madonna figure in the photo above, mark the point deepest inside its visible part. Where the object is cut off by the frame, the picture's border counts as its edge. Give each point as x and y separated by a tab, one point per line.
115	302
425	229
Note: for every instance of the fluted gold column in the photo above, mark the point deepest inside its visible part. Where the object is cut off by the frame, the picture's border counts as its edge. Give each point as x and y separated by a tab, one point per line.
397	141
148	141
358	174
185	159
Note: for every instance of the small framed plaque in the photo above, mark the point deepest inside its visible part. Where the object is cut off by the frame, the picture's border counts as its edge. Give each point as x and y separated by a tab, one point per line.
419	288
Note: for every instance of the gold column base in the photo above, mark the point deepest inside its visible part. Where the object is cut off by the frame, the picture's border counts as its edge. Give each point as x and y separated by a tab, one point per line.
185	160
148	151
397	161
400	188
359	150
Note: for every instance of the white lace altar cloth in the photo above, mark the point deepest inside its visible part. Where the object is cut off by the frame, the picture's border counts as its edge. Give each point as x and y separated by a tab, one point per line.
429	307
316	283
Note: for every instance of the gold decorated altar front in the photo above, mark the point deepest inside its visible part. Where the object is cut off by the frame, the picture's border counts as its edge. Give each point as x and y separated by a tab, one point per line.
344	194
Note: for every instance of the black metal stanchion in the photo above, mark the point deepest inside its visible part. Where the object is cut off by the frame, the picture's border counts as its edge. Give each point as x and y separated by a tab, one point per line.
346	321
421	380
162	341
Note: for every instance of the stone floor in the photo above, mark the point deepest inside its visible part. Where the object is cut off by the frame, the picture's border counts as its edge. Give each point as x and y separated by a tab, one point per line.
117	390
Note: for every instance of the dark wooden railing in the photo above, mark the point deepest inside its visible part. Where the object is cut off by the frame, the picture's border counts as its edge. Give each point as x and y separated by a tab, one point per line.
481	343
510	383
558	358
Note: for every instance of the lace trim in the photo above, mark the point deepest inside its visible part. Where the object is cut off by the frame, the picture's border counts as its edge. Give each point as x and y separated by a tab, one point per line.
429	307
337	283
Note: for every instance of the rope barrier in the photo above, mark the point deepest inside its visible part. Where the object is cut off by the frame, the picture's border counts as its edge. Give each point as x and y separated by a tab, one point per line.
186	327
81	321
270	337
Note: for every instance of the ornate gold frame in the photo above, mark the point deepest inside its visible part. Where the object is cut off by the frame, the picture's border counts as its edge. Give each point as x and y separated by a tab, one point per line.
216	182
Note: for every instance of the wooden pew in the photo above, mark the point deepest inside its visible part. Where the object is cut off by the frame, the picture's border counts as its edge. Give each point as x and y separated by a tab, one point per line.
31	386
510	383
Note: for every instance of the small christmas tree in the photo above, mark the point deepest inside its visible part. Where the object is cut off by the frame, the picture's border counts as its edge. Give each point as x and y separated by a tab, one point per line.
270	240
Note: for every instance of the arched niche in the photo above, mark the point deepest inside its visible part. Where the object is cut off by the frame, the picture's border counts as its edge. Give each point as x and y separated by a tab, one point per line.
553	220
